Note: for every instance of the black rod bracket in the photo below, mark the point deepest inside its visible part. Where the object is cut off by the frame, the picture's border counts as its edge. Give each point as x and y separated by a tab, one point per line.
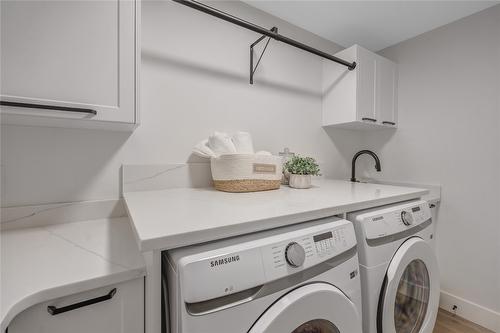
252	68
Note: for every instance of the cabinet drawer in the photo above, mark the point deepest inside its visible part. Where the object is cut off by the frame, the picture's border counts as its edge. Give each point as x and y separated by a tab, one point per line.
123	312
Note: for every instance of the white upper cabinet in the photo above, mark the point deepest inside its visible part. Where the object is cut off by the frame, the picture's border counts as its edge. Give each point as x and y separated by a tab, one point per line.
364	98
82	55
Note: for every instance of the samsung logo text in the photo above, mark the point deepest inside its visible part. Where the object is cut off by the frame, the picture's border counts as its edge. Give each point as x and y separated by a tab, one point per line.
224	261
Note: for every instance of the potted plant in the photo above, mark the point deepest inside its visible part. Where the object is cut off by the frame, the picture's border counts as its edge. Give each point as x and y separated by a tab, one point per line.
301	169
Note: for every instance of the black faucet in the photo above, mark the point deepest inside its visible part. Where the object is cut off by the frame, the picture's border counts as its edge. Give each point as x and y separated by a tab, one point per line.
359	153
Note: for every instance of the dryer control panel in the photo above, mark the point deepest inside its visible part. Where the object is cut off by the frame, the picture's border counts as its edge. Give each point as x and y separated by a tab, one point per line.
396	219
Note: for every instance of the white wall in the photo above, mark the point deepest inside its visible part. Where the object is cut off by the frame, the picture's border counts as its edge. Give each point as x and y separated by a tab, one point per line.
194	81
449	134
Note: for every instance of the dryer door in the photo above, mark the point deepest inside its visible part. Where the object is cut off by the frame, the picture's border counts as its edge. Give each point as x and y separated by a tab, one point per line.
317	307
410	295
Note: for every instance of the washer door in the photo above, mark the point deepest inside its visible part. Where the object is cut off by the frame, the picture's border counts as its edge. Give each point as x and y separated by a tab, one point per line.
410	295
316	307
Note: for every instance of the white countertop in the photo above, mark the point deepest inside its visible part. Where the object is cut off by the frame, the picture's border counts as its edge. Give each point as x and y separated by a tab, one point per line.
167	219
434	195
43	263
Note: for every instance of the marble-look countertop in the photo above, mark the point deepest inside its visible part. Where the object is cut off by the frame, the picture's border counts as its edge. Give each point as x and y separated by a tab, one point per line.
43	263
166	219
434	195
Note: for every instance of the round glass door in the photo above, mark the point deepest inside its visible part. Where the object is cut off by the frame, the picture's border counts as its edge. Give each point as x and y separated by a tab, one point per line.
317	326
412	298
410	295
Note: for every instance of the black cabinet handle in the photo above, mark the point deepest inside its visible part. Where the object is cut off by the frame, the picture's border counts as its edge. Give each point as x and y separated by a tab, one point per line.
369	119
388	123
48	107
55	311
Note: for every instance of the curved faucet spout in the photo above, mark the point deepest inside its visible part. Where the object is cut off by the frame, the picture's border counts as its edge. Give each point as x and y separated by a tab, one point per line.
359	153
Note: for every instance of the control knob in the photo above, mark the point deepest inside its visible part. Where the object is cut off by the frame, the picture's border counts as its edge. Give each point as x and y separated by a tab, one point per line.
406	217
295	254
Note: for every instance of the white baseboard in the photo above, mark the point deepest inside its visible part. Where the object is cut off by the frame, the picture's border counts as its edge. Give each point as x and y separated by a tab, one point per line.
471	311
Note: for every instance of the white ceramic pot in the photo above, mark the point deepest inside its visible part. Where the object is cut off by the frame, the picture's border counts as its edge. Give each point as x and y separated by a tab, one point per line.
300	181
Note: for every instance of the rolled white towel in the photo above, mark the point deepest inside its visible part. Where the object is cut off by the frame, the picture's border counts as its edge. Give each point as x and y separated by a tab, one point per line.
203	150
243	143
221	144
263	152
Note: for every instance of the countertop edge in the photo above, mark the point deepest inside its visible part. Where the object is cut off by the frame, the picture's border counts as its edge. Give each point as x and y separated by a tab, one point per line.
134	229
42	294
196	237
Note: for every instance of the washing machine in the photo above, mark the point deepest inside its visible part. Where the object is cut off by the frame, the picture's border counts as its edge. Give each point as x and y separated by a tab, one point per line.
295	279
398	268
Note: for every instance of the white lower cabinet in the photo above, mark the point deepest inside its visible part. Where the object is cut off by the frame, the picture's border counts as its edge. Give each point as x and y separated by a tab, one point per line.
122	313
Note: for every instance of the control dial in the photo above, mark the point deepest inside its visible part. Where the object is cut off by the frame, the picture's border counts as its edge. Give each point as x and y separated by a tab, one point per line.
295	254
406	217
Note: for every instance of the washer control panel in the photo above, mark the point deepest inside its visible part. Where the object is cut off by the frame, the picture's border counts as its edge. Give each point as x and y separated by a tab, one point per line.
389	221
212	270
294	254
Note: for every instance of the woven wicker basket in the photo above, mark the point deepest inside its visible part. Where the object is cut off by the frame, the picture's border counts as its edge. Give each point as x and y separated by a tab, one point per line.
246	172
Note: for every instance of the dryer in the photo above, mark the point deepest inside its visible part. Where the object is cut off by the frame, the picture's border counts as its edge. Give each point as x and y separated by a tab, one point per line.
398	268
296	279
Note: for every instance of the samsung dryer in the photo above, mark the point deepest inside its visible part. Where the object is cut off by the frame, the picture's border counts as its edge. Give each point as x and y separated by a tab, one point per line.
398	268
295	279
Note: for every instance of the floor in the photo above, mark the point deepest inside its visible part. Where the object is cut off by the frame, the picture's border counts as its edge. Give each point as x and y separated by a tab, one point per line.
448	323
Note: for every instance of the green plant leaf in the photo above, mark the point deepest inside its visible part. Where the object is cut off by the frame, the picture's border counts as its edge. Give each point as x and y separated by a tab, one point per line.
299	165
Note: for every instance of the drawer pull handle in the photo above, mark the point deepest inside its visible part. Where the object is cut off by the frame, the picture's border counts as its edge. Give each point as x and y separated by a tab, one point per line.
55	311
369	119
48	107
388	123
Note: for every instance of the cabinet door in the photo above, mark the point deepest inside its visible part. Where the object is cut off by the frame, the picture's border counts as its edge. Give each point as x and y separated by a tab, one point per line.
78	54
366	86
386	92
124	313
339	90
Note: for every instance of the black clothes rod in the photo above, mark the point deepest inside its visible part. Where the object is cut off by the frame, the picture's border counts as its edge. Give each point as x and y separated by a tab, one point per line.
269	33
48	107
